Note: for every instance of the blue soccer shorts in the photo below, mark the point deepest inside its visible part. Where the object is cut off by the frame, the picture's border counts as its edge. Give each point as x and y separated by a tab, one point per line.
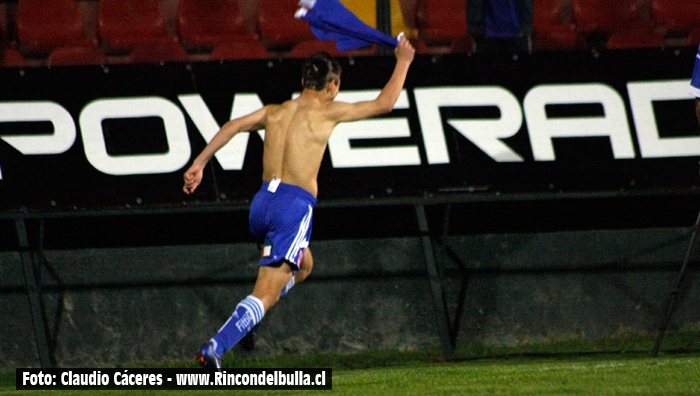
694	88
280	216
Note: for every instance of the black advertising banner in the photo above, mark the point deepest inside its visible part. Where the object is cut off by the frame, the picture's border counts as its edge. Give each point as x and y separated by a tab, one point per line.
88	137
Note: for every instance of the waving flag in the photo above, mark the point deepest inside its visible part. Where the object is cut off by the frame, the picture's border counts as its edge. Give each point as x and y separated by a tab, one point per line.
330	20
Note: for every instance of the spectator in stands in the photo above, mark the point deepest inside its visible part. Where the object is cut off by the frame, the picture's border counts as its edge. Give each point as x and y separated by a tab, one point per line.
695	85
296	136
500	25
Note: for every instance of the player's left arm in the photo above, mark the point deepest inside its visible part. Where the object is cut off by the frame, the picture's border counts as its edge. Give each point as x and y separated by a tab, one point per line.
253	121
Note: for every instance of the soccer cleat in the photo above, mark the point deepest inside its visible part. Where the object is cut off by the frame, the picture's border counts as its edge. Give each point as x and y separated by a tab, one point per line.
207	356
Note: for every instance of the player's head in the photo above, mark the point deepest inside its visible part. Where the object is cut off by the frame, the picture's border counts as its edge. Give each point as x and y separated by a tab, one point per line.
319	70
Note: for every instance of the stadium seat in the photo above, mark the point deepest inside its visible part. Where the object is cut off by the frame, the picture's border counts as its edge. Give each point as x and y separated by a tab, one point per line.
202	24
123	25
67	56
44	25
279	29
552	30
676	17
563	37
308	48
10	57
636	37
440	22
693	39
158	53
462	45
602	17
548	13
239	50
3	26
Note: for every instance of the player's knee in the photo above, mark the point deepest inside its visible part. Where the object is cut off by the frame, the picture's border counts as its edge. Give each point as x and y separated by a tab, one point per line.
269	300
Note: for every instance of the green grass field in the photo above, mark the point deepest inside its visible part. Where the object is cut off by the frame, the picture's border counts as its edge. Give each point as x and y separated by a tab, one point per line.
606	367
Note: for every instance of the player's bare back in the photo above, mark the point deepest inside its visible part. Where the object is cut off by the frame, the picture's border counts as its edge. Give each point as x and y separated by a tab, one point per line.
296	136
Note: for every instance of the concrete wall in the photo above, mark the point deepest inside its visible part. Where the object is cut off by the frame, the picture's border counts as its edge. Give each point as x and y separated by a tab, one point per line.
160	303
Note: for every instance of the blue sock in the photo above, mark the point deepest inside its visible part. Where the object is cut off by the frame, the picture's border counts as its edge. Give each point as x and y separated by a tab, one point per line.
289	286
248	313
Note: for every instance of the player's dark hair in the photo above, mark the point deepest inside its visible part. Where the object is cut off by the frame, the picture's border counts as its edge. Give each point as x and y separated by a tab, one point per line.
320	69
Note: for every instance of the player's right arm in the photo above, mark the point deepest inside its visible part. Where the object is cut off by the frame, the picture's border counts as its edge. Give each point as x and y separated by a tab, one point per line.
254	121
384	103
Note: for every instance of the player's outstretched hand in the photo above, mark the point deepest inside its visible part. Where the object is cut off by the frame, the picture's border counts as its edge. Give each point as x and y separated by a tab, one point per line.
404	51
192	177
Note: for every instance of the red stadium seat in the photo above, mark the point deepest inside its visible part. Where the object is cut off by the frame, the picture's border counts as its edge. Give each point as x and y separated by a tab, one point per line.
548	13
123	25
67	56
279	29
440	22
202	24
157	53
239	50
694	38
562	37
420	46
462	45
44	25
308	48
636	37
676	17
10	57
552	30
603	16
3	26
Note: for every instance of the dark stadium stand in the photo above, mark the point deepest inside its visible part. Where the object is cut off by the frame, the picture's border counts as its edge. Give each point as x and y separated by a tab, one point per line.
239	50
441	22
123	25
553	29
228	29
675	17
42	28
640	36
307	48
159	52
10	57
202	24
279	30
66	56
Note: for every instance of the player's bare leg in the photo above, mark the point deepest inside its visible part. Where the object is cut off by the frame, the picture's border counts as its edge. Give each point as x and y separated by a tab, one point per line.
271	281
307	265
249	312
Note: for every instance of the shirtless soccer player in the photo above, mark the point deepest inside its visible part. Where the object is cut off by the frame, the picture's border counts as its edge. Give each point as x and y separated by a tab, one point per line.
296	136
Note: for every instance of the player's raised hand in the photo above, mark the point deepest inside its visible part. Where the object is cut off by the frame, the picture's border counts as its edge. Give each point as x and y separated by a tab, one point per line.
404	51
193	177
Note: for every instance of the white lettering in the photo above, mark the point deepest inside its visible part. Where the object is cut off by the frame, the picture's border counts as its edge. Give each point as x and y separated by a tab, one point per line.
542	129
485	134
651	145
175	131
58	142
344	156
232	155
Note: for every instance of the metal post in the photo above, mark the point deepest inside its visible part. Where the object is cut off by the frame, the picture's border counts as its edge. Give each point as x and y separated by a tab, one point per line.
435	284
384	21
676	290
34	294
